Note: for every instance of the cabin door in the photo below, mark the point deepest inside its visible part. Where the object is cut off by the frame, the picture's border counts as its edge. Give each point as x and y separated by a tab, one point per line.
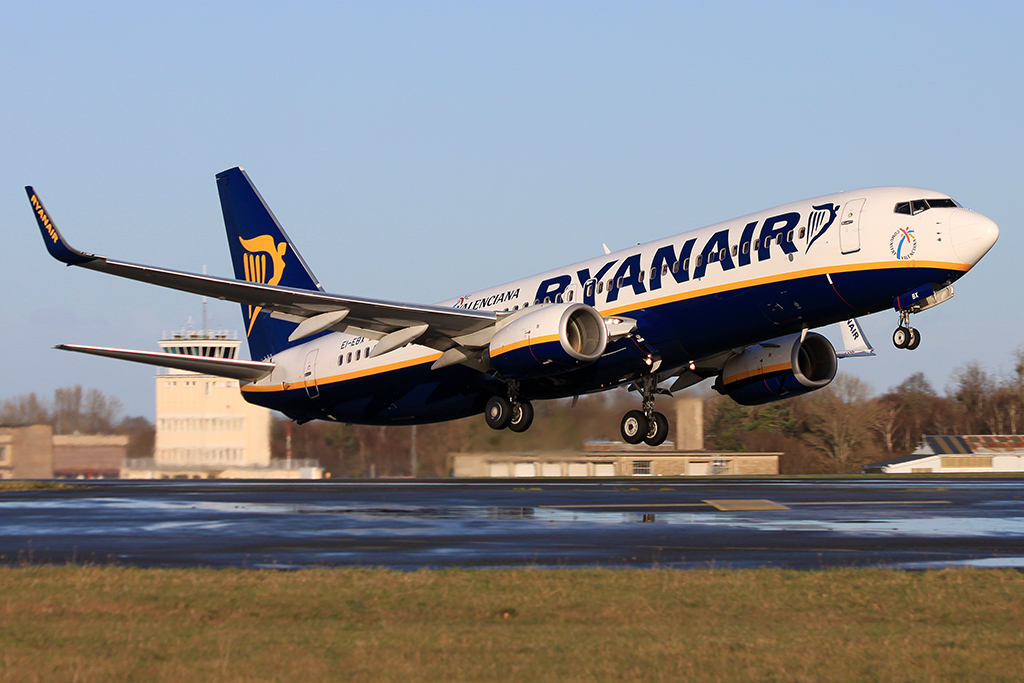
309	375
849	226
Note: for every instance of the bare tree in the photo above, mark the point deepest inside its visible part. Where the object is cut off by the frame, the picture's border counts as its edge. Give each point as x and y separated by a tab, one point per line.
838	421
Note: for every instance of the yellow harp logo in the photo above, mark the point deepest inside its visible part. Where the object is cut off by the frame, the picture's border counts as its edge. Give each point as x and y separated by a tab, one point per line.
255	263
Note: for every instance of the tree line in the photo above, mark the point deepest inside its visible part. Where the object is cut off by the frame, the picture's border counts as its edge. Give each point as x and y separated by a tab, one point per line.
74	410
836	429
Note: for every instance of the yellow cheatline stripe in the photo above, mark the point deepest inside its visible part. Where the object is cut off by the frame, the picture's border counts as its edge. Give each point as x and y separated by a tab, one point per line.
650	303
523	342
782	277
757	371
365	372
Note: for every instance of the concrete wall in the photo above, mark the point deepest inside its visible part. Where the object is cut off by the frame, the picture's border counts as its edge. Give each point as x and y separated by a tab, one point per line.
27	452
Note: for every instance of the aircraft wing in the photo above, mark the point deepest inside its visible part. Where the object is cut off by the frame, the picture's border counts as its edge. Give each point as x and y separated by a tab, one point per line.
315	311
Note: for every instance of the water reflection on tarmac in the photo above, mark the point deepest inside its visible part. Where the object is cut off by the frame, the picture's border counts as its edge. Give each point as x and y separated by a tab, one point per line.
710	522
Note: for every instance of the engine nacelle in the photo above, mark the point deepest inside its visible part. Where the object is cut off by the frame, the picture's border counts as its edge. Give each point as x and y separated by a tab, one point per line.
778	369
549	340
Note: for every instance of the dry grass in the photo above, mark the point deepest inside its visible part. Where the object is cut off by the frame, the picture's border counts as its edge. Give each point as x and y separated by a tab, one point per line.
102	624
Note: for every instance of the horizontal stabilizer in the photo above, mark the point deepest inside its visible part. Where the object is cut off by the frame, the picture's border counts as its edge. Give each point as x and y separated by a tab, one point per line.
245	370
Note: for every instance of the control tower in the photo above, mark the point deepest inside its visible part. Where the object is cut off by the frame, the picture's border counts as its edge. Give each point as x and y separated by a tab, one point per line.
202	421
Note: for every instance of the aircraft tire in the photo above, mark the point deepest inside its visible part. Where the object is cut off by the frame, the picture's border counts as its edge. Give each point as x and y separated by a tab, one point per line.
634	427
901	337
521	417
498	413
915	339
658	430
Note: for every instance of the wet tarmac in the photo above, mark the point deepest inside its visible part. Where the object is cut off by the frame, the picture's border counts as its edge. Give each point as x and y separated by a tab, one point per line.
410	524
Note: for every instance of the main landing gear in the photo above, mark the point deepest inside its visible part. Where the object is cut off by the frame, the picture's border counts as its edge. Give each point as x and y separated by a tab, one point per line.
515	414
645	424
905	336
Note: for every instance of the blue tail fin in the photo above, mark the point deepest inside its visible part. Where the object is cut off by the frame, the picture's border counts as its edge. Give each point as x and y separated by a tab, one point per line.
260	252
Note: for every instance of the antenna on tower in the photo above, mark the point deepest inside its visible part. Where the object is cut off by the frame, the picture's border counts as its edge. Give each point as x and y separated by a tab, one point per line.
204	307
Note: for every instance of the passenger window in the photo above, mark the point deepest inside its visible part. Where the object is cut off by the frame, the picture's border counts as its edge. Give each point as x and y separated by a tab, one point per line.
746	247
590	290
547	299
711	257
675	267
349	359
735	249
778	240
686	264
723	254
757	243
558	298
640	275
568	297
696	262
341	359
359	351
611	284
664	270
600	286
621	278
802	233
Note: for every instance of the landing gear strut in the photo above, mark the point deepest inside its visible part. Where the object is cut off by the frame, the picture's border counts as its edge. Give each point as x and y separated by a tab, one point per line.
513	413
905	336
645	424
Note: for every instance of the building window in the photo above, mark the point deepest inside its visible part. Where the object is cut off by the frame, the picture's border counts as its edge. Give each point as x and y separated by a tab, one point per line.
641	467
5	454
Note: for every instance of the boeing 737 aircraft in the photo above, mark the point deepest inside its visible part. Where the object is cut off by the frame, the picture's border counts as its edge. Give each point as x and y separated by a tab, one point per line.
735	301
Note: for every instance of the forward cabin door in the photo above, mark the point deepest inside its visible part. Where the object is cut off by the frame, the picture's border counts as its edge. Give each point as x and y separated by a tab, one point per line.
309	375
849	227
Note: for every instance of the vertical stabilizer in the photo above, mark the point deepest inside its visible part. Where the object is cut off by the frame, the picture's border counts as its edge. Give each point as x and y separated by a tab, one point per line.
261	252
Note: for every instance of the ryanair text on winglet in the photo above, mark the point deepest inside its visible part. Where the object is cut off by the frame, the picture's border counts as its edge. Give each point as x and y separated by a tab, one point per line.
44	219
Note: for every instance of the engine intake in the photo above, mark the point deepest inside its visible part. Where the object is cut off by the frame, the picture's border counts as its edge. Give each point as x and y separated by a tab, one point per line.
549	340
778	369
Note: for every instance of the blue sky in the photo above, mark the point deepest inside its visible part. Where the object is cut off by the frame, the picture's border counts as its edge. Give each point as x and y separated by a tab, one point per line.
418	151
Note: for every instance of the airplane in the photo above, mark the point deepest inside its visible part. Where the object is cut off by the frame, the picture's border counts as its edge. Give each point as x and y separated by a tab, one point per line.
736	301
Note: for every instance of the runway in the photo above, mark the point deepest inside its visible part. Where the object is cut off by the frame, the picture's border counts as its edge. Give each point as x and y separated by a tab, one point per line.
911	523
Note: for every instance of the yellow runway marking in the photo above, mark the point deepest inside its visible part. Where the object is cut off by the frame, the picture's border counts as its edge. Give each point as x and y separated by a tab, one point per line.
875	502
744	505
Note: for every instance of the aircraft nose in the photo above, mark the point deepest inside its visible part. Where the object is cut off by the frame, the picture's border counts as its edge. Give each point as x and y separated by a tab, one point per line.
972	235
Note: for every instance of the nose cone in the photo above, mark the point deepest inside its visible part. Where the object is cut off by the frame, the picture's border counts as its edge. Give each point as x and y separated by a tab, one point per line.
972	234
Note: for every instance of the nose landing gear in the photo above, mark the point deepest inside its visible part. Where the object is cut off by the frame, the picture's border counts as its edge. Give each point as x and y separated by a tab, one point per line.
645	425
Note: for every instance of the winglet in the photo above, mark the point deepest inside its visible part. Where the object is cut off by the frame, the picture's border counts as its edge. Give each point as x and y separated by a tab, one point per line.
855	342
55	242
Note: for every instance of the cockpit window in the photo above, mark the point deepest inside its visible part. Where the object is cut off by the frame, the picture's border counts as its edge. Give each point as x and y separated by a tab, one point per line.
920	205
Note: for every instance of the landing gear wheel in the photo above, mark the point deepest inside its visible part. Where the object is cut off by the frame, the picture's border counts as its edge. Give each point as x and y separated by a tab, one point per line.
901	337
657	432
915	339
634	427
521	417
498	413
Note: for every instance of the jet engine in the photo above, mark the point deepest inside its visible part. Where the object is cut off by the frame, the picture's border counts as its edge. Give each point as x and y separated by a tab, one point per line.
777	369
549	340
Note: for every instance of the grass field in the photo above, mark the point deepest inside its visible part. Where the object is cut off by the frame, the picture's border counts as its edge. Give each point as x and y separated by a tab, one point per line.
117	624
